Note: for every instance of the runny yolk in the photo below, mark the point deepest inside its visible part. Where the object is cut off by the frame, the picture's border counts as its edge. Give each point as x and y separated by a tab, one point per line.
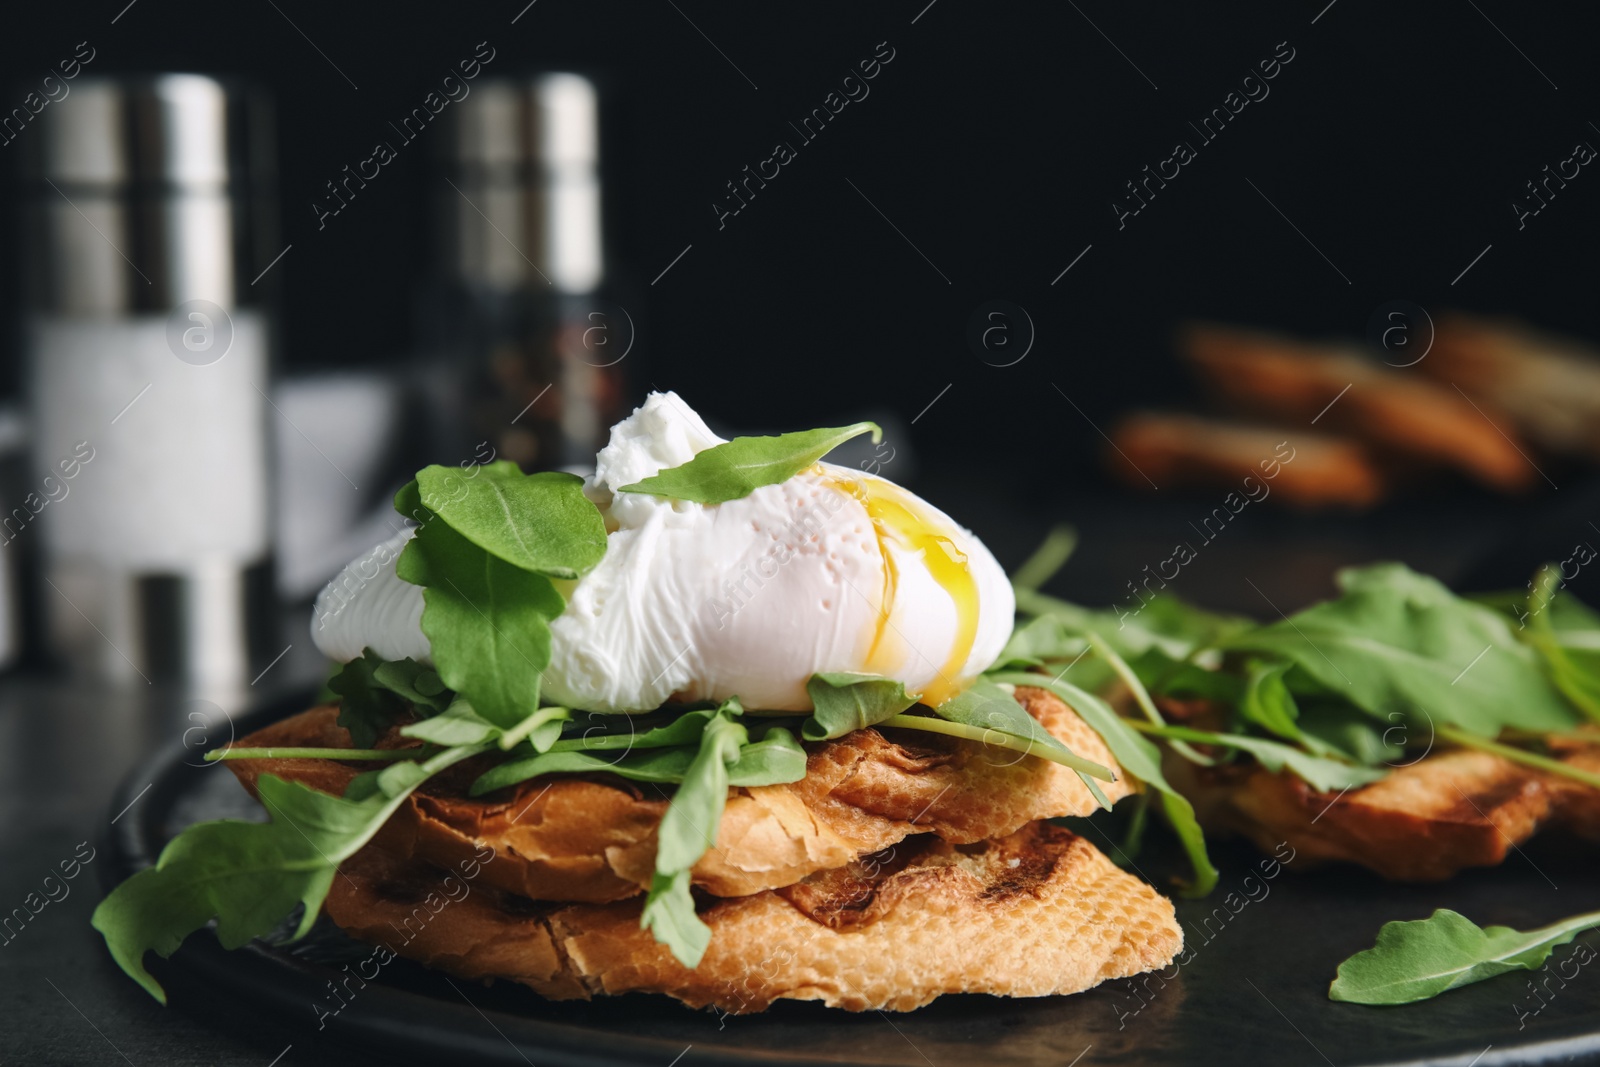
896	517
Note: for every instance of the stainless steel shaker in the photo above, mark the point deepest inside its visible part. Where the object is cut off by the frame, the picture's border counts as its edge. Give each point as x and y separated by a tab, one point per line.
146	227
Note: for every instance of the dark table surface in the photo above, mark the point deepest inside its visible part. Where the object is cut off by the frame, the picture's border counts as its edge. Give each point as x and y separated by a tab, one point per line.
65	745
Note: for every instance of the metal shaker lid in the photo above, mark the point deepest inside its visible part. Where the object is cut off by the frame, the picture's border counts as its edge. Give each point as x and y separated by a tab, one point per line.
144	192
523	156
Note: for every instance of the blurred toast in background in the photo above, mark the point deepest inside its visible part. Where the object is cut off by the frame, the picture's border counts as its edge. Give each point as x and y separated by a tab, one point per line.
1393	411
1488	400
1315	471
1549	387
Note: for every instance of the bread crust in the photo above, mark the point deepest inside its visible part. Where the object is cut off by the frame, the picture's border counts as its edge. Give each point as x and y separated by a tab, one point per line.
1405	414
592	838
1171	449
1035	913
1425	822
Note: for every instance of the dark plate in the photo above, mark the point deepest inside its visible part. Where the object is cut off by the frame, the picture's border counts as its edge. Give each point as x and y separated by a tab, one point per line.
1254	991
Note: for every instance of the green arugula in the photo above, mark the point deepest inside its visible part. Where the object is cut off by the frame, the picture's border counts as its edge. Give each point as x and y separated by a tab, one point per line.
1039	640
1141	697
1397	641
1165	622
1138	757
1323	774
1052	554
249	876
688	830
1164	676
737	468
541	523
1566	635
484	555
1267	702
990	715
772	760
373	693
703	753
1333	694
846	702
1417	960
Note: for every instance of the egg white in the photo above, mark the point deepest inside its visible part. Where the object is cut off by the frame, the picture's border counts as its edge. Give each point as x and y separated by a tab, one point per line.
747	598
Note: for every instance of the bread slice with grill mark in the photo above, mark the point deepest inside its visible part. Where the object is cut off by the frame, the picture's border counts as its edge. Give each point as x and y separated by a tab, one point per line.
1034	913
592	838
1425	822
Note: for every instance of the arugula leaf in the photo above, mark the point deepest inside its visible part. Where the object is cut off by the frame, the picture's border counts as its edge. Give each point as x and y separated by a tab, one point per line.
1138	757
419	685
1166	676
373	694
541	729
1396	641
1349	731
458	724
846	702
1267	702
1141	697
737	468
536	522
688	829
1175	626
1041	639
1051	555
249	876
775	759
669	915
487	621
663	765
685	729
1417	960
987	706
991	715
366	706
485	552
1574	671
1322	774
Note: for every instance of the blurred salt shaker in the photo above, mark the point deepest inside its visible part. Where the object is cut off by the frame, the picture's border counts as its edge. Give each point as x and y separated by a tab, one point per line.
148	358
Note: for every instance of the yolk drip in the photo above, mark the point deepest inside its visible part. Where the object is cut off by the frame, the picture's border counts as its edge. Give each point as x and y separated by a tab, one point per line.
896	517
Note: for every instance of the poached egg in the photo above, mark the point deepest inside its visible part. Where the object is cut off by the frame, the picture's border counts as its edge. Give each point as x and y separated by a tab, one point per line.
832	570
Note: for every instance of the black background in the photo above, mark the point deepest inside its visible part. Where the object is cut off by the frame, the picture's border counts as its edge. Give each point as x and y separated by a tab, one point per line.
996	141
991	149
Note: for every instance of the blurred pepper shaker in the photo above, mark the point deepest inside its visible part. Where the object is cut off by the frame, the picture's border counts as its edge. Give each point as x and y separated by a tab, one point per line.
531	343
149	376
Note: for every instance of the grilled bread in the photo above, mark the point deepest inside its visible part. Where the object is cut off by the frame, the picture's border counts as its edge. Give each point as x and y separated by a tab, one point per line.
1404	414
1423	823
1549	386
1171	449
592	838
1033	913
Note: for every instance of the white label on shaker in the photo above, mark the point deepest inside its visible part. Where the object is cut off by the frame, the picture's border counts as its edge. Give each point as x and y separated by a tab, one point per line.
180	452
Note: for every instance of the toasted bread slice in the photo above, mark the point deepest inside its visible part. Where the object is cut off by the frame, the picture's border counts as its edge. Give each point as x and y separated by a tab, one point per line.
1344	392
1173	449
1035	913
1423	823
592	838
1549	386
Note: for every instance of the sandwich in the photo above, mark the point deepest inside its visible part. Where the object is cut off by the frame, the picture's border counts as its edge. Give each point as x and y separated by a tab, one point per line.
721	721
